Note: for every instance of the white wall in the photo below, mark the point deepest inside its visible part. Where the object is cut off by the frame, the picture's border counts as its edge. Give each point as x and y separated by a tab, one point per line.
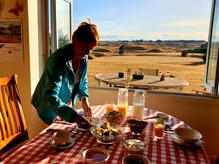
28	71
36	59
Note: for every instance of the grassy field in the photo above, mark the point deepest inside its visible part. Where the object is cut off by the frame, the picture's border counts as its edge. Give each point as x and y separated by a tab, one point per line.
165	56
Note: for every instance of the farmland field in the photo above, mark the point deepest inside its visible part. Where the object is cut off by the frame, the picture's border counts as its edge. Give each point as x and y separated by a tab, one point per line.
165	56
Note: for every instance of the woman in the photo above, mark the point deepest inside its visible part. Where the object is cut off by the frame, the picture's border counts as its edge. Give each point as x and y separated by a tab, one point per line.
65	76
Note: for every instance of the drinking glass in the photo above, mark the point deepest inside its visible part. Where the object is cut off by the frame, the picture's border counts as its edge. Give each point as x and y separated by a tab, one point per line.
123	109
123	101
159	128
109	107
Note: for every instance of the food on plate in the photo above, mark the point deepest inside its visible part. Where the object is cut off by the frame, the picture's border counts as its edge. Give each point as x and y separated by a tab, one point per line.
83	123
114	117
105	132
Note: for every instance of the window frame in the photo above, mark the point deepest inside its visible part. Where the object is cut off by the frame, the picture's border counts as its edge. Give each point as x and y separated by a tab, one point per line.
212	88
54	29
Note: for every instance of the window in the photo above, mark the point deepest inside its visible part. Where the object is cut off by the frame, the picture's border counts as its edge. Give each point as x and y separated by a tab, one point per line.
145	35
60	23
108	15
212	69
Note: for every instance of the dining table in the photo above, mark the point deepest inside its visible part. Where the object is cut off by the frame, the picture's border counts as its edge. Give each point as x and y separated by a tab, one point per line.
39	149
148	82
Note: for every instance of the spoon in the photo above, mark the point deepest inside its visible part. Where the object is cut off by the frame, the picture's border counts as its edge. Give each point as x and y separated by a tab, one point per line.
56	130
150	117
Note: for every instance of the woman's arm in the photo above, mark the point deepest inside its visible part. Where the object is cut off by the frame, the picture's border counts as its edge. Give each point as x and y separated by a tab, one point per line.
83	87
83	94
53	82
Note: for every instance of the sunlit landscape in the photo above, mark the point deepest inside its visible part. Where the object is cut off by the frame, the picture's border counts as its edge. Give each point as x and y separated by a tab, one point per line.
165	56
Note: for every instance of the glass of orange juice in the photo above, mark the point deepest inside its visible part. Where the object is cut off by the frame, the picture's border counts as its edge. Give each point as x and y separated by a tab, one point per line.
123	109
159	128
109	107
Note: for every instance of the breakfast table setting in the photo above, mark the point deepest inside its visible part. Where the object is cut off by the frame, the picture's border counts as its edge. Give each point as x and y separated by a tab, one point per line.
103	143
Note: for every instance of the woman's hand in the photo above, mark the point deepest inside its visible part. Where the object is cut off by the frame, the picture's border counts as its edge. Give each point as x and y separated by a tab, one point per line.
86	107
83	122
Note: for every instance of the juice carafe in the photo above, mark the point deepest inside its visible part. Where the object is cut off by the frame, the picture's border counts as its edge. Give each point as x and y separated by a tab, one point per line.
123	101
138	104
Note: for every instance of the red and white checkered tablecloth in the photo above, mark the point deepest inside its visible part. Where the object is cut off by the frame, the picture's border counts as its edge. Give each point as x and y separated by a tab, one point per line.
39	149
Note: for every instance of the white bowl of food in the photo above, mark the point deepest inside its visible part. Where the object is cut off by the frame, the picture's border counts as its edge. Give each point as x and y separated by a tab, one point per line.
134	144
188	134
105	134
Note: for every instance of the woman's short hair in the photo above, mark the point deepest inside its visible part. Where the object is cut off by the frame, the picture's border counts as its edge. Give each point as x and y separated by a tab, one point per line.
86	32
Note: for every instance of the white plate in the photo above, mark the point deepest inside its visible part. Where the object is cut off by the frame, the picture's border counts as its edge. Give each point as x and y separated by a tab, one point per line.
54	145
188	134
106	143
197	143
84	130
95	122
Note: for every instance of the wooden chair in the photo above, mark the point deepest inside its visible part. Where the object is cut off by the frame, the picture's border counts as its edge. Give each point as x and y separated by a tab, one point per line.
146	71
13	129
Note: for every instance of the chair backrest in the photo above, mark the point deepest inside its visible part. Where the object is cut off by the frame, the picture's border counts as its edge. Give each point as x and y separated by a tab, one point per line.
148	71
13	127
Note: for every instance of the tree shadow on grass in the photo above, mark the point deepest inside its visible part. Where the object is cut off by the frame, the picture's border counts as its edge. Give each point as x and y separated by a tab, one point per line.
195	64
156	55
149	55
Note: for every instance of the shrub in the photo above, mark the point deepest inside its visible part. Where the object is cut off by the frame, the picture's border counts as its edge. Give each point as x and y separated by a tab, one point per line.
184	54
154	50
98	54
101	50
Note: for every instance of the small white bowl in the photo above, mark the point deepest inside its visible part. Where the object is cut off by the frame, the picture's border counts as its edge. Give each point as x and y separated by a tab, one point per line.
62	137
188	134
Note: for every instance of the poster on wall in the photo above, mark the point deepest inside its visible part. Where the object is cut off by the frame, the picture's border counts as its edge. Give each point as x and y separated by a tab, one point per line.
11	42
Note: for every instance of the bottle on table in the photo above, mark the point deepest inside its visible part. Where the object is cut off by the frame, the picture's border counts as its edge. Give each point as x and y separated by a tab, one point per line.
123	101
138	104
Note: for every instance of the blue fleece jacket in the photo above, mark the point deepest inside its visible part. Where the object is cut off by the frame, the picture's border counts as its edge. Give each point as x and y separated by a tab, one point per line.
56	86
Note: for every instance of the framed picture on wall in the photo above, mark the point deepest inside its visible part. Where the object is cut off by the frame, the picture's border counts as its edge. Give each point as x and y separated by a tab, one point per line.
11	42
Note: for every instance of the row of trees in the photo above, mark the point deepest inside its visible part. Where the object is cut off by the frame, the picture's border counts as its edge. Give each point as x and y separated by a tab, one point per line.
202	50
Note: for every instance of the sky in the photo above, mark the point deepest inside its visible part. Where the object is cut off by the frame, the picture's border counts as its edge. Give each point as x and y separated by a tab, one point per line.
146	19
